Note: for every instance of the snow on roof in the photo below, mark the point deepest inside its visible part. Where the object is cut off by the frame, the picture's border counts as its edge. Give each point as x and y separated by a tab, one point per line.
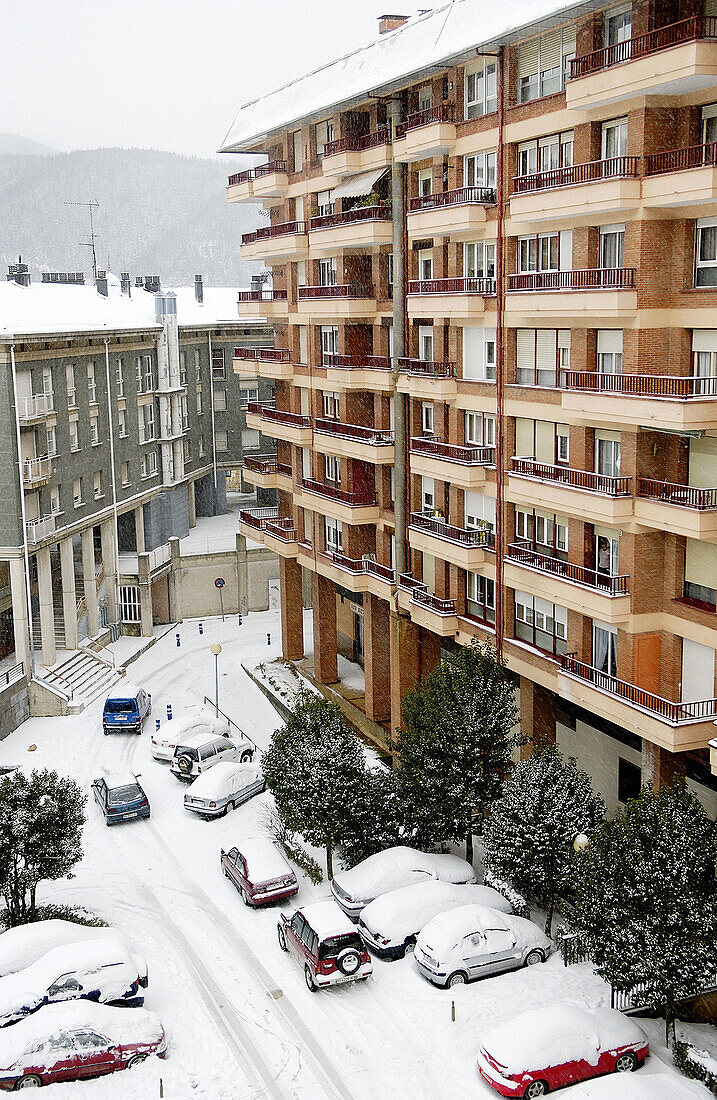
120	779
214	782
120	1025
328	920
408	909
264	859
444	35
447	930
24	945
399	866
124	691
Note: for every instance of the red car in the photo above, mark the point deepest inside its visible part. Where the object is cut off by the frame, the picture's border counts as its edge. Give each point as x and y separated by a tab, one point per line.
259	871
327	945
547	1048
76	1039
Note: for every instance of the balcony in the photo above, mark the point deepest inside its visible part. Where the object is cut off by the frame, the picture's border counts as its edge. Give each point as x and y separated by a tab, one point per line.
346	506
262	303
265	182
580	493
681	177
31	410
358	153
428	610
597	291
342	300
363	227
252	521
466	463
286	241
39	529
597	187
428	133
457	298
353	441
666	401
423	378
688	62
359	574
681	509
465	547
359	372
36	471
576	587
460	212
267	472
281	536
263	362
279	423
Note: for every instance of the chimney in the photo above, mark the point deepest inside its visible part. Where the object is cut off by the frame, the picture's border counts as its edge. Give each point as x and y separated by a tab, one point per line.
152	284
199	289
101	283
125	284
18	273
388	23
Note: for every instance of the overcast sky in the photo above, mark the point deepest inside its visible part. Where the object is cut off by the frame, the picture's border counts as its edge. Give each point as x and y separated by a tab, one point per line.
168	74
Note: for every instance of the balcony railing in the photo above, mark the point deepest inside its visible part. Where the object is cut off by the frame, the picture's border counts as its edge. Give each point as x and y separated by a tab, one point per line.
466	285
338	290
592	278
284	229
466	455
36	469
677	160
610	168
258	517
357	566
428	367
30	408
268	355
365	362
363	499
266	464
674	713
278	416
687	496
574	479
428	523
358	432
421	595
459	196
262	295
349	217
576	574
256	173
661	39
39	529
443	112
282	528
356	143
641	385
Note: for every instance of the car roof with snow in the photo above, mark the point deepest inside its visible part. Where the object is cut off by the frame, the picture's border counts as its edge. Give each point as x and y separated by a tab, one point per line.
124	691
186	720
264	856
327	919
215	780
121	1025
196	740
388	869
82	956
422	900
120	779
24	945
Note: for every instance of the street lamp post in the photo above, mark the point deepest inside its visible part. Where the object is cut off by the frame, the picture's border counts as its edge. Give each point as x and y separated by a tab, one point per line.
216	650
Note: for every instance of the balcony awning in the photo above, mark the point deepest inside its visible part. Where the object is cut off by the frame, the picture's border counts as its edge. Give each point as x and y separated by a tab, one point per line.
356	186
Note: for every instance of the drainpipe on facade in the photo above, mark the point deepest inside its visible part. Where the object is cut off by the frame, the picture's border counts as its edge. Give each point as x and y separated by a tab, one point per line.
211	398
398	222
23	515
499	370
114	484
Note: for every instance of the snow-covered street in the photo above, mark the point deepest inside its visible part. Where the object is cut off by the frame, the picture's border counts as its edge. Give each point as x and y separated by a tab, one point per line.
239	1019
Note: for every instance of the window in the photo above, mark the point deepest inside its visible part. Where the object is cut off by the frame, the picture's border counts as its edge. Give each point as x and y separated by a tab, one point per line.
545	154
130	608
138	372
324	134
544	532
607	453
538	439
183	368
303	344
425	343
77	492
479	353
187	450
428	494
425	182
479	259
481	96
220	400
609	351
200	408
329	341
119	376
149	464
330	404
425	98
146	422
562	444
221	439
122	423
298	152
94	430
479	170
605	648
74	435
200	447
247	394
618	29
327	272
629	780
427	417
47	384
148	373
124	474
540	353
544	63
480	598
541	253
607	552
184	412
55	500
51	441
324	203
612	246
706	252
332	469
97	484
480	429
70	383
479	511
540	623
218	368
425	264
614	139
701	572
333	535
91	383
389	273
709	128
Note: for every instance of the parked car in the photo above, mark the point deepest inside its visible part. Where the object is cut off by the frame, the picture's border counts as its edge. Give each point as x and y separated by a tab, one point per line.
392	869
66	1042
126	709
474	942
120	797
99	970
194	754
224	788
390	923
327	945
22	946
260	872
547	1048
193	720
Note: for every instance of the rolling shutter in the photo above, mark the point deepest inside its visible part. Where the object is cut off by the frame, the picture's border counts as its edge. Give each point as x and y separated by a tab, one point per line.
528	58
609	341
701	563
703	463
545	351
545	441
704	339
550	51
524	437
525	354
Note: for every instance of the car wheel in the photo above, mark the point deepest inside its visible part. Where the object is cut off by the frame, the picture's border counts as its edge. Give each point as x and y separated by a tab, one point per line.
348	961
309	979
30	1081
536	1088
532	958
135	1060
459	978
246	757
281	937
626	1063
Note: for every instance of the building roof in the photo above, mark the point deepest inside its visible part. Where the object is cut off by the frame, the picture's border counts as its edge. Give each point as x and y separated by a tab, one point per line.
444	36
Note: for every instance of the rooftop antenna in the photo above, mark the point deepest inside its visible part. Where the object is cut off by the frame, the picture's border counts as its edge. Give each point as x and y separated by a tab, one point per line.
94	205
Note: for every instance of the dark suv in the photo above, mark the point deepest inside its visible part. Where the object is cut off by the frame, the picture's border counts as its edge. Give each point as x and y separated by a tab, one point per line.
327	943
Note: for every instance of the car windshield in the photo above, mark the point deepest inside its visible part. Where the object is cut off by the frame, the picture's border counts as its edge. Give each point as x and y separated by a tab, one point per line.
332	946
121	706
130	793
185	750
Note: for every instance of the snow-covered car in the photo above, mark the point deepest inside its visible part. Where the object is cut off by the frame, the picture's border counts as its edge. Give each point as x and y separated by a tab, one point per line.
547	1048
99	970
24	945
125	709
198	752
223	788
192	721
64	1042
260	871
390	924
326	944
473	942
120	797
392	869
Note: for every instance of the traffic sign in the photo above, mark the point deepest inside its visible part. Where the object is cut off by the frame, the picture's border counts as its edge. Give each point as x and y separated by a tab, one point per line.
219	582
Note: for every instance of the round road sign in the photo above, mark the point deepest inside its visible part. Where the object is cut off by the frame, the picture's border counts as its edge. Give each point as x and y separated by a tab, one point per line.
219	582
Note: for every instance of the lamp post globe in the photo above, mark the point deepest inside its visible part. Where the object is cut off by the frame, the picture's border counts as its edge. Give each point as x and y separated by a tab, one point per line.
581	842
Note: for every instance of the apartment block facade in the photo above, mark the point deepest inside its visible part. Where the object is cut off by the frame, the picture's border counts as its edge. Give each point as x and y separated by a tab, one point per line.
494	256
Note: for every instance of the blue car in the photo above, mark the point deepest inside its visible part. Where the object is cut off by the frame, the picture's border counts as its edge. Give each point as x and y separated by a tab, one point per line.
126	709
120	797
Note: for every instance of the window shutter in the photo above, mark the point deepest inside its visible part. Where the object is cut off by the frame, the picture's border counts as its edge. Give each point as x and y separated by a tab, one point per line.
473	354
545	349
703	463
545	441
566	250
701	563
609	341
528	57
564	338
711	8
549	51
569	40
524	447
525	354
604	434
704	339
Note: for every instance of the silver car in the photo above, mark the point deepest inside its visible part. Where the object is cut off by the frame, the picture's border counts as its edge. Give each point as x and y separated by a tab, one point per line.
224	787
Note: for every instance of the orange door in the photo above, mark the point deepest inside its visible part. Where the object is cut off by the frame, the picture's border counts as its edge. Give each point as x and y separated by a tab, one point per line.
647	662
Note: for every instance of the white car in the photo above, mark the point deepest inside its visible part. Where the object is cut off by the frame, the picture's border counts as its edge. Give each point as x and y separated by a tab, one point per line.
391	869
191	721
474	942
198	752
390	924
224	787
22	946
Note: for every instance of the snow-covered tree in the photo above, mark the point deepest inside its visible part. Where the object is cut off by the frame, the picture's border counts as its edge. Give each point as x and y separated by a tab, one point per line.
529	836
41	821
455	746
377	818
315	769
646	898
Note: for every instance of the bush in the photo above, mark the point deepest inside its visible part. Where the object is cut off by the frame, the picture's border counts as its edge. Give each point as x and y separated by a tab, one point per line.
282	834
687	1060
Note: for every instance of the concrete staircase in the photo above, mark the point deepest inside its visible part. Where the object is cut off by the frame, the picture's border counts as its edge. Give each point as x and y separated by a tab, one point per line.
82	676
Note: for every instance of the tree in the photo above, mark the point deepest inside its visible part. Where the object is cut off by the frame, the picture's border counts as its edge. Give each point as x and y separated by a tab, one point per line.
377	818
646	898
315	769
529	837
41	821
455	745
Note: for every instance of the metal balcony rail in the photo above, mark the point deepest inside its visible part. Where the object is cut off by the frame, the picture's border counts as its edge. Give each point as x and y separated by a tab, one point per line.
433	603
673	713
521	554
357	566
284	229
641	385
676	160
349	217
366	362
261	464
589	172
409	582
30	408
269	355
282	528
467	285
9	675
36	469
262	295
592	278
278	416
355	143
427	367
674	34
363	499
338	290
285	469
687	496
459	196
258	517
442	112
256	173
466	454
358	432
39	529
574	479
429	523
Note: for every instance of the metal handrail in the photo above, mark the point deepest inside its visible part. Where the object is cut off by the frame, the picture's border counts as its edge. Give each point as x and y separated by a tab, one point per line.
574	479
458	196
427	366
429	523
664	709
271	355
262	295
662	38
675	160
337	290
520	554
356	143
278	166
467	455
442	112
367	362
345	496
348	217
284	229
686	496
357	432
468	284
591	278
642	385
610	168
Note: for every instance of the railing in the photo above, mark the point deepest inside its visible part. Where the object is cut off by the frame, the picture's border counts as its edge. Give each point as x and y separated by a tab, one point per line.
641	385
427	367
338	290
589	172
278	416
577	574
284	229
264	464
358	566
262	295
39	529
676	160
258	517
358	432
10	675
575	479
354	500
270	355
256	173
355	143
30	408
457	197
687	496
467	455
592	278
282	528
466	285
443	112
348	217
661	39
365	362
428	523
674	713
36	469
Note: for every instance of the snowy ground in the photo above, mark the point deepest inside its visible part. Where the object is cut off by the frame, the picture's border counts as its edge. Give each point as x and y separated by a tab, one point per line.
240	1021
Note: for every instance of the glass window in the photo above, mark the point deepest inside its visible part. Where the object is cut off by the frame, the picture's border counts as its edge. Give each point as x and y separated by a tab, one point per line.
333	535
605	649
427	417
324	134
218	367
329	341
541	623
480	598
479	259
612	246
479	170
327	272
706	252
332	466
607	456
425	343
544	63
481	95
425	264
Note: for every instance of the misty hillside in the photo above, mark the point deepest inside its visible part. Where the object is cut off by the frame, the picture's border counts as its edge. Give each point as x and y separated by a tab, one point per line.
14	143
160	213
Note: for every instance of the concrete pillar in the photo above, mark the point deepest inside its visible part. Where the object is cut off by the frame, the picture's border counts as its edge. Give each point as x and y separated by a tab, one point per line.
242	575
192	505
174	582
537	716
660	767
139	528
88	574
292	609
326	666
47	610
145	596
377	658
405	659
109	562
69	595
21	626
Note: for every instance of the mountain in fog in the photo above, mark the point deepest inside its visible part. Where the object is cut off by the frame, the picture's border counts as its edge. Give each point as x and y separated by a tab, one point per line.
14	143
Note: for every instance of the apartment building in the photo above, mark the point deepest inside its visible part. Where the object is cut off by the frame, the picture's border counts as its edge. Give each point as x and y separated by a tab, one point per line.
493	239
120	415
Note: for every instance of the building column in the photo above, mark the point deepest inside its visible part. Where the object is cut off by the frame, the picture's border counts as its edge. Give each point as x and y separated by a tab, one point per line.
69	595
145	596
243	575
660	767
109	562
20	621
537	716
192	505
88	574
292	609
139	529
377	659
326	666
47	610
174	582
405	662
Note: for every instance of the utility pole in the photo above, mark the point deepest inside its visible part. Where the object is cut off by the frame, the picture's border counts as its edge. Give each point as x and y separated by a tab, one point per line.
94	205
